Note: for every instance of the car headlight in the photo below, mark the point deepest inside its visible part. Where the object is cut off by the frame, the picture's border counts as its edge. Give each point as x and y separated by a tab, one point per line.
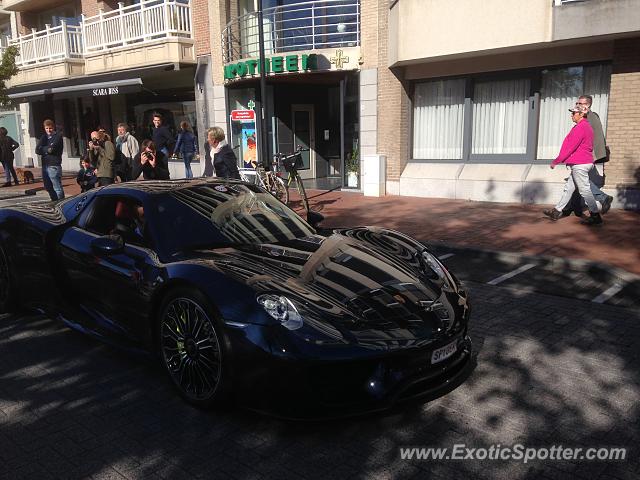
433	264
280	308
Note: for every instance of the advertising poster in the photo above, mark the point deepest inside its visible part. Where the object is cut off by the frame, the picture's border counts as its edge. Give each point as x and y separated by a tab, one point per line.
249	145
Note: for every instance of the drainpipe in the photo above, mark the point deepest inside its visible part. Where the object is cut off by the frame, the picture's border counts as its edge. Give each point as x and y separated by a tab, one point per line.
201	93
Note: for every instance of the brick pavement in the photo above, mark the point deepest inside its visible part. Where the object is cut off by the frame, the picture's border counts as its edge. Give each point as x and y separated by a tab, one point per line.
497	226
550	371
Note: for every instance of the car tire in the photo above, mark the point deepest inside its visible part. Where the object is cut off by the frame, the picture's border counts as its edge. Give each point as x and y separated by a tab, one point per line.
192	348
8	299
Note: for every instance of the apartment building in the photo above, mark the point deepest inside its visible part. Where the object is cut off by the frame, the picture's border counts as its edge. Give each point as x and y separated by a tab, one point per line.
478	104
86	63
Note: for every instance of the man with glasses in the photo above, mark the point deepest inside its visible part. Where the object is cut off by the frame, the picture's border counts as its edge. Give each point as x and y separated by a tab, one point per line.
596	175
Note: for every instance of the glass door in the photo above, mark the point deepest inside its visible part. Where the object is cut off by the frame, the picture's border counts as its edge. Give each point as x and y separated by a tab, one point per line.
304	135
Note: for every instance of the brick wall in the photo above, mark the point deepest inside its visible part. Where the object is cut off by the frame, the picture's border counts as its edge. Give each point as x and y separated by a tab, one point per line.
623	136
200	26
219	12
393	102
90	7
369	32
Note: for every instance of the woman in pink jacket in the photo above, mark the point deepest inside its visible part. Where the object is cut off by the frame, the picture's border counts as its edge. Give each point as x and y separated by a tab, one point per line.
577	153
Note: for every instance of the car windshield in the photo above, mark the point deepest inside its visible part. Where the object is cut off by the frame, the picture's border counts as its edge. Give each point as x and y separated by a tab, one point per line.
223	215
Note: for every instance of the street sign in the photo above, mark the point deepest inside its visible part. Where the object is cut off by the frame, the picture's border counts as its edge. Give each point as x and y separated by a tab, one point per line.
243	115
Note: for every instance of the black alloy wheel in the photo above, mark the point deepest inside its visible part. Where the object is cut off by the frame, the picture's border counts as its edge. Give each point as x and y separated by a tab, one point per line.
192	349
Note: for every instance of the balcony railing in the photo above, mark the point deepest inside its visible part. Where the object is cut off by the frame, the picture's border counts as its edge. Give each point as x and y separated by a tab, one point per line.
300	26
57	43
146	21
141	23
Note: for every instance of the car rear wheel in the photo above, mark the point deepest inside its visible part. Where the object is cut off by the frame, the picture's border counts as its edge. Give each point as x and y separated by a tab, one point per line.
192	348
7	294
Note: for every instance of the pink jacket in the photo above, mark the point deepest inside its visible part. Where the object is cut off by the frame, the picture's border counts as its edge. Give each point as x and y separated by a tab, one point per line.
577	147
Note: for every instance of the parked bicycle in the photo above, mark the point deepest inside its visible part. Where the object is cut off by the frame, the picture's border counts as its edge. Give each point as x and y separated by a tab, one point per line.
291	163
268	179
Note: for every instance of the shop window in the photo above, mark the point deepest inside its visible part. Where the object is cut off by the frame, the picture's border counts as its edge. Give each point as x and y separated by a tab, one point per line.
500	117
560	89
438	119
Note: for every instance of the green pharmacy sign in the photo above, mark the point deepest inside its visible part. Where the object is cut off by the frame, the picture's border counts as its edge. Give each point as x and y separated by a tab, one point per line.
280	64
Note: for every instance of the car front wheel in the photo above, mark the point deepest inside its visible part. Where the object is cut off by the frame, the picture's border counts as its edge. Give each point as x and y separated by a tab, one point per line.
192	348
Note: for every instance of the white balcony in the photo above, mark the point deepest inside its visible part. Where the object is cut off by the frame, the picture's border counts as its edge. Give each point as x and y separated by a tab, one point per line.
311	25
151	32
48	54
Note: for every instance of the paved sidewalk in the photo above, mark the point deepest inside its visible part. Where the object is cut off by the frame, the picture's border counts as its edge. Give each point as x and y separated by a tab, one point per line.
486	225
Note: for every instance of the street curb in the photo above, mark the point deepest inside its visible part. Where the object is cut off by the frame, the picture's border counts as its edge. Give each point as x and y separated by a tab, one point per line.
555	264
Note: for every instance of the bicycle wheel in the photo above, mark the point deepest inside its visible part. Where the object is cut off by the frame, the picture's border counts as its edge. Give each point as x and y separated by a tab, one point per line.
303	192
280	190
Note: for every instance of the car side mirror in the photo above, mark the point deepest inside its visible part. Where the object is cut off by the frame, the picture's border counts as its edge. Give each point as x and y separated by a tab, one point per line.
108	245
314	218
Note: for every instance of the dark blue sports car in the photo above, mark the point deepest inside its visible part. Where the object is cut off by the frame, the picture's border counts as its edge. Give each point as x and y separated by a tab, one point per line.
240	297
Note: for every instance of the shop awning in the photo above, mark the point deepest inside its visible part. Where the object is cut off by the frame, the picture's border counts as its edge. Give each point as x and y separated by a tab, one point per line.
114	87
126	81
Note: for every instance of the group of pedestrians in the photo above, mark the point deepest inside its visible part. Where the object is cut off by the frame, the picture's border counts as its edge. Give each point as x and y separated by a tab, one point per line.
583	148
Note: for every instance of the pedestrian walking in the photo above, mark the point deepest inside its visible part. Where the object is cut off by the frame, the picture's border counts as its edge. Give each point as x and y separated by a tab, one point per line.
225	161
187	147
102	153
50	149
600	157
127	147
7	147
577	153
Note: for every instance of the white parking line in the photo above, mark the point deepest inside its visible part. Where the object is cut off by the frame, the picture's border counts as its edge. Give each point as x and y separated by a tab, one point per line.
445	256
608	293
509	275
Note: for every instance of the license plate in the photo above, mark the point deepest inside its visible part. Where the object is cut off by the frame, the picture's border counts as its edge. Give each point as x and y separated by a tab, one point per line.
444	352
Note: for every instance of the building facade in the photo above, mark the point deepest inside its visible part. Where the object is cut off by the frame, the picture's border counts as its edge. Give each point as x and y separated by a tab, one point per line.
314	64
460	100
482	94
86	63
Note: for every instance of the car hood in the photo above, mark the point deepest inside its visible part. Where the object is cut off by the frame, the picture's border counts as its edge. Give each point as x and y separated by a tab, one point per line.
366	284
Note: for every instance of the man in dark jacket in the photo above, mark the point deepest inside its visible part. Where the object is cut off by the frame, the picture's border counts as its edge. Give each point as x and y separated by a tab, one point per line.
225	162
161	136
151	163
50	149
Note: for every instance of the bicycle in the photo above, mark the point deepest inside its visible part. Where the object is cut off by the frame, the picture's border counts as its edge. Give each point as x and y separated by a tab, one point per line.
267	179
291	163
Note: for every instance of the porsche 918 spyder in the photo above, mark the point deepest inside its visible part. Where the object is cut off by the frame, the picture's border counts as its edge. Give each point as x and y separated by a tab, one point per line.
239	297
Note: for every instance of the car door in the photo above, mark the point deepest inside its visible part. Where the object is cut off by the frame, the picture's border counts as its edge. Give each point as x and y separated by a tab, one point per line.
113	290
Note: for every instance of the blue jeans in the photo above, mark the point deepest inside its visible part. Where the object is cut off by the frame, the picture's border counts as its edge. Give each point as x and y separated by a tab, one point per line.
187	158
52	179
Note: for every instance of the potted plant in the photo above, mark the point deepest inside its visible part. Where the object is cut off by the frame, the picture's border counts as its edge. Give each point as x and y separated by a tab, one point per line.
352	166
